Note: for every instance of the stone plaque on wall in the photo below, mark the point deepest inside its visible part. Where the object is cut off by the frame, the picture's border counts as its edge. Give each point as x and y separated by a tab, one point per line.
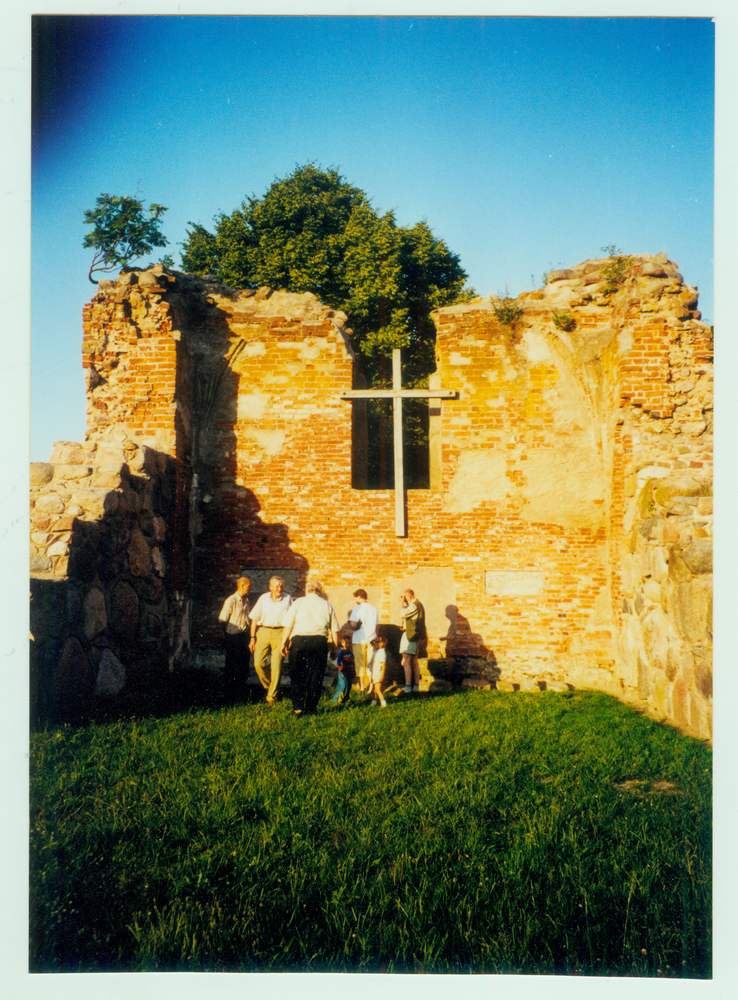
513	583
260	581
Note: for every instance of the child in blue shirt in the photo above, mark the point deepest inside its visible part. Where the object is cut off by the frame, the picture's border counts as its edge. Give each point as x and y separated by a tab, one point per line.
345	664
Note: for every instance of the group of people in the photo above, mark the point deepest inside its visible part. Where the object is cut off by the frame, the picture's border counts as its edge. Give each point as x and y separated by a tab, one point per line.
302	630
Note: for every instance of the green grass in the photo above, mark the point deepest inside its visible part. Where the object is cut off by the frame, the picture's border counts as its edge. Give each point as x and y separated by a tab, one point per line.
482	832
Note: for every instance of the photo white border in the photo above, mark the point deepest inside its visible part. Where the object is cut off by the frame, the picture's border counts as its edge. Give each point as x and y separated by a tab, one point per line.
15	981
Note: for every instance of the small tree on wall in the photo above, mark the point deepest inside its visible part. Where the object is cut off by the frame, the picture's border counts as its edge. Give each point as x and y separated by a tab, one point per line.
122	231
615	270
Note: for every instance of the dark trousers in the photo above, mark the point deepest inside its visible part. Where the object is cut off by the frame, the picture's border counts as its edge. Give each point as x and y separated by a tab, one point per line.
308	660
236	670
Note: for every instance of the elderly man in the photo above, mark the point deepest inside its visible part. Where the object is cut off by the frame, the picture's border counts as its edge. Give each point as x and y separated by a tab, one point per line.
414	634
308	625
235	618
363	621
267	619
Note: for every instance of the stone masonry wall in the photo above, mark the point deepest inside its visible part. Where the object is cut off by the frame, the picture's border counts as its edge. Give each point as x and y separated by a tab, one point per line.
664	431
547	551
111	518
102	616
665	636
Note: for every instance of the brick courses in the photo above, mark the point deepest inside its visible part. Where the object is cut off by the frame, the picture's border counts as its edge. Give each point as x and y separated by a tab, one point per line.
539	465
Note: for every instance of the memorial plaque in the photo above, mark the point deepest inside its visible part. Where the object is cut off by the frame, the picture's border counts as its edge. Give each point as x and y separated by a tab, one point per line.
514	583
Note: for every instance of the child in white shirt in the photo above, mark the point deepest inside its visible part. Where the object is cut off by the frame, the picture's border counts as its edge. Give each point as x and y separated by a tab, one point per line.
377	667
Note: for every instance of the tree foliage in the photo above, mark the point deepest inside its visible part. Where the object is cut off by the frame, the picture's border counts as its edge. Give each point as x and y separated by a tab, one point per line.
122	231
312	231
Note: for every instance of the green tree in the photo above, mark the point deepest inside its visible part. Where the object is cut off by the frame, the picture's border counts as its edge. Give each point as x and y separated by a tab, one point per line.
122	231
312	231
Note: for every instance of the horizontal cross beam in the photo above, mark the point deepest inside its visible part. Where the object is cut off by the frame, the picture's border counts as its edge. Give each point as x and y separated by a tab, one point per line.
399	394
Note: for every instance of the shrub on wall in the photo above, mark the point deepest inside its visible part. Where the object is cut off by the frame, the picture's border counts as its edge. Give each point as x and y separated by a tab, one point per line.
508	312
563	320
615	270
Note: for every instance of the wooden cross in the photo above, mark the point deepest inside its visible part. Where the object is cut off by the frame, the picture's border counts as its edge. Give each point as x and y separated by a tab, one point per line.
397	394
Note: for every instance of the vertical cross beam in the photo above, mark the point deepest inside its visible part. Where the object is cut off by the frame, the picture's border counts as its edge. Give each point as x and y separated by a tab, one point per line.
397	394
400	521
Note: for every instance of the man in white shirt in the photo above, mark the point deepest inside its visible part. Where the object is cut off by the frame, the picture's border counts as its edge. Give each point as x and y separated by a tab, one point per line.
267	620
308	625
363	622
235	618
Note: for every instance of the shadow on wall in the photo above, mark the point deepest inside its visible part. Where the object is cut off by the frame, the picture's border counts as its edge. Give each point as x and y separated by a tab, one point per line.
393	635
83	657
105	625
233	541
466	649
230	538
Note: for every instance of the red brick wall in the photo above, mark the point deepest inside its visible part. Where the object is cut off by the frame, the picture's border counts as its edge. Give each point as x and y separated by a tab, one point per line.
283	498
518	549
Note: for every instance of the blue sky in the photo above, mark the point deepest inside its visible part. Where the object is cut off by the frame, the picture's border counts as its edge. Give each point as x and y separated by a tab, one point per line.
525	143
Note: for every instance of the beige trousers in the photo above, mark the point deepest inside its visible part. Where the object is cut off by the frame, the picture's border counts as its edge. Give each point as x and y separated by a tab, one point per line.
269	647
362	654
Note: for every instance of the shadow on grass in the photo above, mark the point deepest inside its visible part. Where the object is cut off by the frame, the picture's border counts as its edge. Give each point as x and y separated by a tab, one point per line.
180	691
196	689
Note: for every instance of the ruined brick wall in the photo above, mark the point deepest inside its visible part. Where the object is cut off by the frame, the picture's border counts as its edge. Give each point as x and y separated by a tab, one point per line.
525	491
543	551
645	362
274	463
138	386
130	356
662	544
519	548
111	535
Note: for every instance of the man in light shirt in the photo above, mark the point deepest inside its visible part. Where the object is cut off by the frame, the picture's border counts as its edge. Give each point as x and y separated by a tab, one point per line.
308	625
363	621
267	620
235	618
